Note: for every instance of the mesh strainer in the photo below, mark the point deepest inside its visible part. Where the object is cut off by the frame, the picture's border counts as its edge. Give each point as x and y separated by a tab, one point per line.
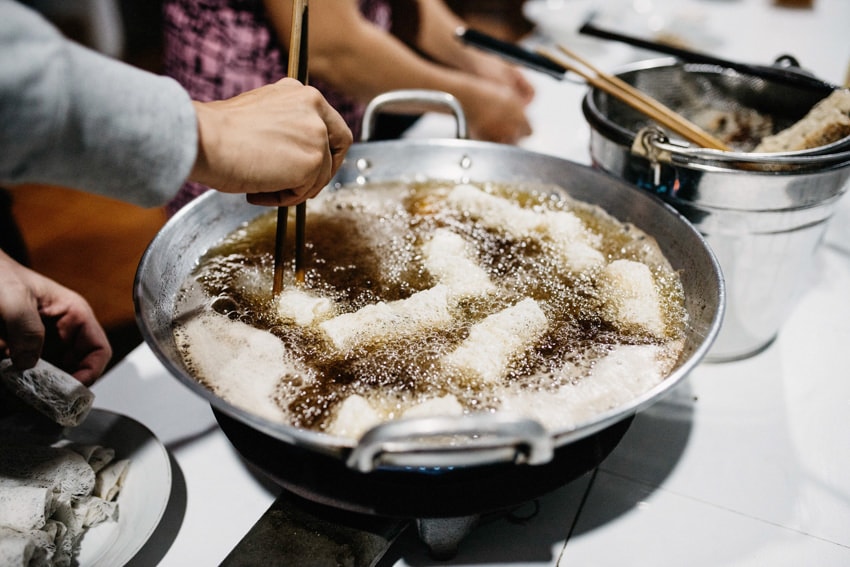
739	108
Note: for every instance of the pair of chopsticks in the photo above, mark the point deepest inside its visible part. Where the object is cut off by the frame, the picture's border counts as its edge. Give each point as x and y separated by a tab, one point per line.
296	69
557	65
635	98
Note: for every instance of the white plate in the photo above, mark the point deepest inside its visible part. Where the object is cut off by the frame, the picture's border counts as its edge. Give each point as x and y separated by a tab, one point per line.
144	496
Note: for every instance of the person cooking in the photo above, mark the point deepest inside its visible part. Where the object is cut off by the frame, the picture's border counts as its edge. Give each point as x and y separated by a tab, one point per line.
357	50
73	117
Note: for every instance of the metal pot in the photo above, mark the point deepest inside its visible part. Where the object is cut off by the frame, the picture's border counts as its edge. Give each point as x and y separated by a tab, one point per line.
762	214
491	438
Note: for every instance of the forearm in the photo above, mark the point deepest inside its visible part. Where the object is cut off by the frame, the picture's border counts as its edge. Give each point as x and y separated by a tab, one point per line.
392	66
436	37
365	61
66	111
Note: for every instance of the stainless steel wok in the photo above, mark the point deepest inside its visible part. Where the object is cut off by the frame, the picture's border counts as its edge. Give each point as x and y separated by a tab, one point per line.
487	438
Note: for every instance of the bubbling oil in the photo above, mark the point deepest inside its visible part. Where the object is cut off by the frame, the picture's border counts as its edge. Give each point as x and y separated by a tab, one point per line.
364	246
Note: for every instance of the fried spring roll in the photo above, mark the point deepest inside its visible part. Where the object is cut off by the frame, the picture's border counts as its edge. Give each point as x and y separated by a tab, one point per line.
449	259
562	230
421	311
497	340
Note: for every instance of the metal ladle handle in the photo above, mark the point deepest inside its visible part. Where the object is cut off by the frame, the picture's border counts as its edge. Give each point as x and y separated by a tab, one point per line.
441	442
414	101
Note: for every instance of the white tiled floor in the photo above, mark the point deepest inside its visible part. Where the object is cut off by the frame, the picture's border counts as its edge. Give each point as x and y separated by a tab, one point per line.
665	528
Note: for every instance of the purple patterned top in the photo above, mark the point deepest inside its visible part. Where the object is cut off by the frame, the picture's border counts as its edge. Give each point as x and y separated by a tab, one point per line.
219	48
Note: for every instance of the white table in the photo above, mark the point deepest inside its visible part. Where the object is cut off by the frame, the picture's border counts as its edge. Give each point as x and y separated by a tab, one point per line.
744	464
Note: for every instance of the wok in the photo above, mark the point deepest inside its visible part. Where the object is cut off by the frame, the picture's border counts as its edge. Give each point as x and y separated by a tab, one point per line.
487	438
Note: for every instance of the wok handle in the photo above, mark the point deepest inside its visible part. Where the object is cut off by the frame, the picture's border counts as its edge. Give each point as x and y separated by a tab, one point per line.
414	101
439	442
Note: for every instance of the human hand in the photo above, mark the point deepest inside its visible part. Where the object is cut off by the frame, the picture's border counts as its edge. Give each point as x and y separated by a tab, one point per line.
496	69
280	143
495	113
26	298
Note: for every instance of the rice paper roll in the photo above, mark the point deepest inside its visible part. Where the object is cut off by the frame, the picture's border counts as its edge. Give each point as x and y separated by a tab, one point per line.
96	456
65	472
23	506
16	548
48	500
95	511
61	546
573	242
44	554
51	391
109	481
74	522
452	262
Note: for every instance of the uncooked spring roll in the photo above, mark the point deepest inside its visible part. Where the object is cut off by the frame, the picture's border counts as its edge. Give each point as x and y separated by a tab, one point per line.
24	505
110	480
62	470
16	548
51	391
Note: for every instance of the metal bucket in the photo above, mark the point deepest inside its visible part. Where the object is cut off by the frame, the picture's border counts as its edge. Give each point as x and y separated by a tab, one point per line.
763	215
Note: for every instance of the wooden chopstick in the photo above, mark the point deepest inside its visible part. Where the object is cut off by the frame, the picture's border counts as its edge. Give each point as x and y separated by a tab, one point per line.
299	63
297	69
699	133
279	247
637	99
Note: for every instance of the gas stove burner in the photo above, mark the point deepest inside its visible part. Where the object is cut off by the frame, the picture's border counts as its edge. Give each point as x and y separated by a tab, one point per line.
328	510
412	492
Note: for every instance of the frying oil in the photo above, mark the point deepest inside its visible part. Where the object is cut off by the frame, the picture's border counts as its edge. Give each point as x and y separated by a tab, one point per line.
364	246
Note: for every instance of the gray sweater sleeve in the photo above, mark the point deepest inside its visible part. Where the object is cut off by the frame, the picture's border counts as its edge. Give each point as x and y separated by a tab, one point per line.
72	117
